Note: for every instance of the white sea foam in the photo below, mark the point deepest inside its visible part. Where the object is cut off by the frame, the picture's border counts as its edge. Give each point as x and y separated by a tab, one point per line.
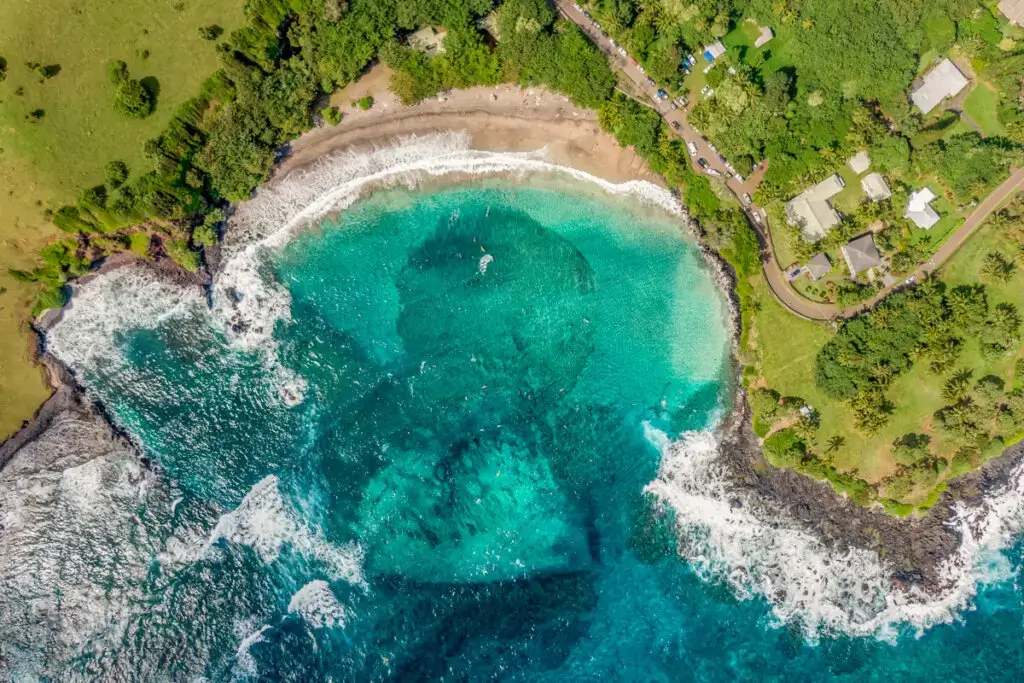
248	303
266	523
131	297
726	535
315	602
245	664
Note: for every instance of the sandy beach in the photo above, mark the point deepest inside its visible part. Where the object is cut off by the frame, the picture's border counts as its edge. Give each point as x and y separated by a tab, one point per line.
504	118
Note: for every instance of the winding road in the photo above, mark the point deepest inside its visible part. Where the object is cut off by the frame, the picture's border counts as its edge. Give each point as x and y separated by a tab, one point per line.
773	273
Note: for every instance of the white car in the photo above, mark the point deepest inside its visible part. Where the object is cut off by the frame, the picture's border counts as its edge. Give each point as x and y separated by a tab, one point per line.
577	7
622	51
611	40
710	93
757	218
704	90
691	148
712	147
640	69
739	178
713	172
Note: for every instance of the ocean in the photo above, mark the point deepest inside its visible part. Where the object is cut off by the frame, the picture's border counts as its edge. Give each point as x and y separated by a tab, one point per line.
458	431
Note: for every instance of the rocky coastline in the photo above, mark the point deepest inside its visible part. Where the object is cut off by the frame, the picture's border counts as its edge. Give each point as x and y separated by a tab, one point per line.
914	548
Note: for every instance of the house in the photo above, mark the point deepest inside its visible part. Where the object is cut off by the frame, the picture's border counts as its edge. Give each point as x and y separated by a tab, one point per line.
811	209
920	210
818	267
945	80
860	162
714	51
767	34
861	254
428	40
1014	11
875	187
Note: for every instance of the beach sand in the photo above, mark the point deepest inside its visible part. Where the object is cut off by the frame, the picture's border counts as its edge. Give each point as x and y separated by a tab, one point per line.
504	118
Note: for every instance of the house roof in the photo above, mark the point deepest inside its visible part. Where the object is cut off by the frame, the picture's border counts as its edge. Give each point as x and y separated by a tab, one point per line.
920	211
819	266
861	253
714	51
429	40
1014	11
875	187
811	209
767	34
945	80
860	162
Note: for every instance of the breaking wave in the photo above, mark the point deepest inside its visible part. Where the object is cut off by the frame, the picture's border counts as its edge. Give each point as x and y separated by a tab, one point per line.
248	303
315	602
728	535
266	523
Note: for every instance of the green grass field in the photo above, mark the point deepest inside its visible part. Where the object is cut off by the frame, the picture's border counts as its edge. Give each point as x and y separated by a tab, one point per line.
787	346
46	163
981	105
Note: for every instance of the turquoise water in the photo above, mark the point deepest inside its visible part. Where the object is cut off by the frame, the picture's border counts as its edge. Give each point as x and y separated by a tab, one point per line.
458	496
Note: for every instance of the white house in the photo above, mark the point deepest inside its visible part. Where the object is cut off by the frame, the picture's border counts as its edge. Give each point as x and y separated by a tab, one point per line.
920	210
945	80
811	209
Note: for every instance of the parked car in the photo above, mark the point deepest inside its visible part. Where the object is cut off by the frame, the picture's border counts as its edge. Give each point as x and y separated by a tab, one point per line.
704	90
622	51
712	147
710	93
662	94
691	148
739	177
686	70
577	7
910	280
675	124
586	14
611	40
673	106
703	163
681	101
757	218
691	59
596	25
713	172
746	199
650	81
639	67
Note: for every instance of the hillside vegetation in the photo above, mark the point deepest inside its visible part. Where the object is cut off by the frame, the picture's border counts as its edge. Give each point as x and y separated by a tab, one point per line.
59	128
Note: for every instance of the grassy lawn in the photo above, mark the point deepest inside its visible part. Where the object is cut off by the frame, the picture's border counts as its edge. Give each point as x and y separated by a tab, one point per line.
787	347
981	106
47	163
852	195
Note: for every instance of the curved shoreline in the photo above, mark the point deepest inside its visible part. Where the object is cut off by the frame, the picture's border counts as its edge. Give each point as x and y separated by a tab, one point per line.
914	549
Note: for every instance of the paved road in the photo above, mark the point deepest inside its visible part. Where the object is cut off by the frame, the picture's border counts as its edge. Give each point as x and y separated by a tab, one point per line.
773	273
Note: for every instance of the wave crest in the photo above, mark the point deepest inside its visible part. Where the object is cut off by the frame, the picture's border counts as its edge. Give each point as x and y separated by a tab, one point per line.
727	535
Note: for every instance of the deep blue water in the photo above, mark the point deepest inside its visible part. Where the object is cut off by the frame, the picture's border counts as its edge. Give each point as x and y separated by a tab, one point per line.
465	472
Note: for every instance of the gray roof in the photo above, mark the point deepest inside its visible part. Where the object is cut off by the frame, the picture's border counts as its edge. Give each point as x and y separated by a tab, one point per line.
875	187
861	253
811	209
945	80
1014	11
860	162
819	266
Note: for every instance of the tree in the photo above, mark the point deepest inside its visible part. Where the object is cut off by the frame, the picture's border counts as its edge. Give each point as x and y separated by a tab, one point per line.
133	99
999	268
3	69
115	174
211	32
967	306
910	449
835	443
957	387
117	71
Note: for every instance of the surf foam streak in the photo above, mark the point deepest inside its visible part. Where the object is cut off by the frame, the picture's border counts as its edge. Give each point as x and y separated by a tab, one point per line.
315	602
247	301
266	523
131	297
727	535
